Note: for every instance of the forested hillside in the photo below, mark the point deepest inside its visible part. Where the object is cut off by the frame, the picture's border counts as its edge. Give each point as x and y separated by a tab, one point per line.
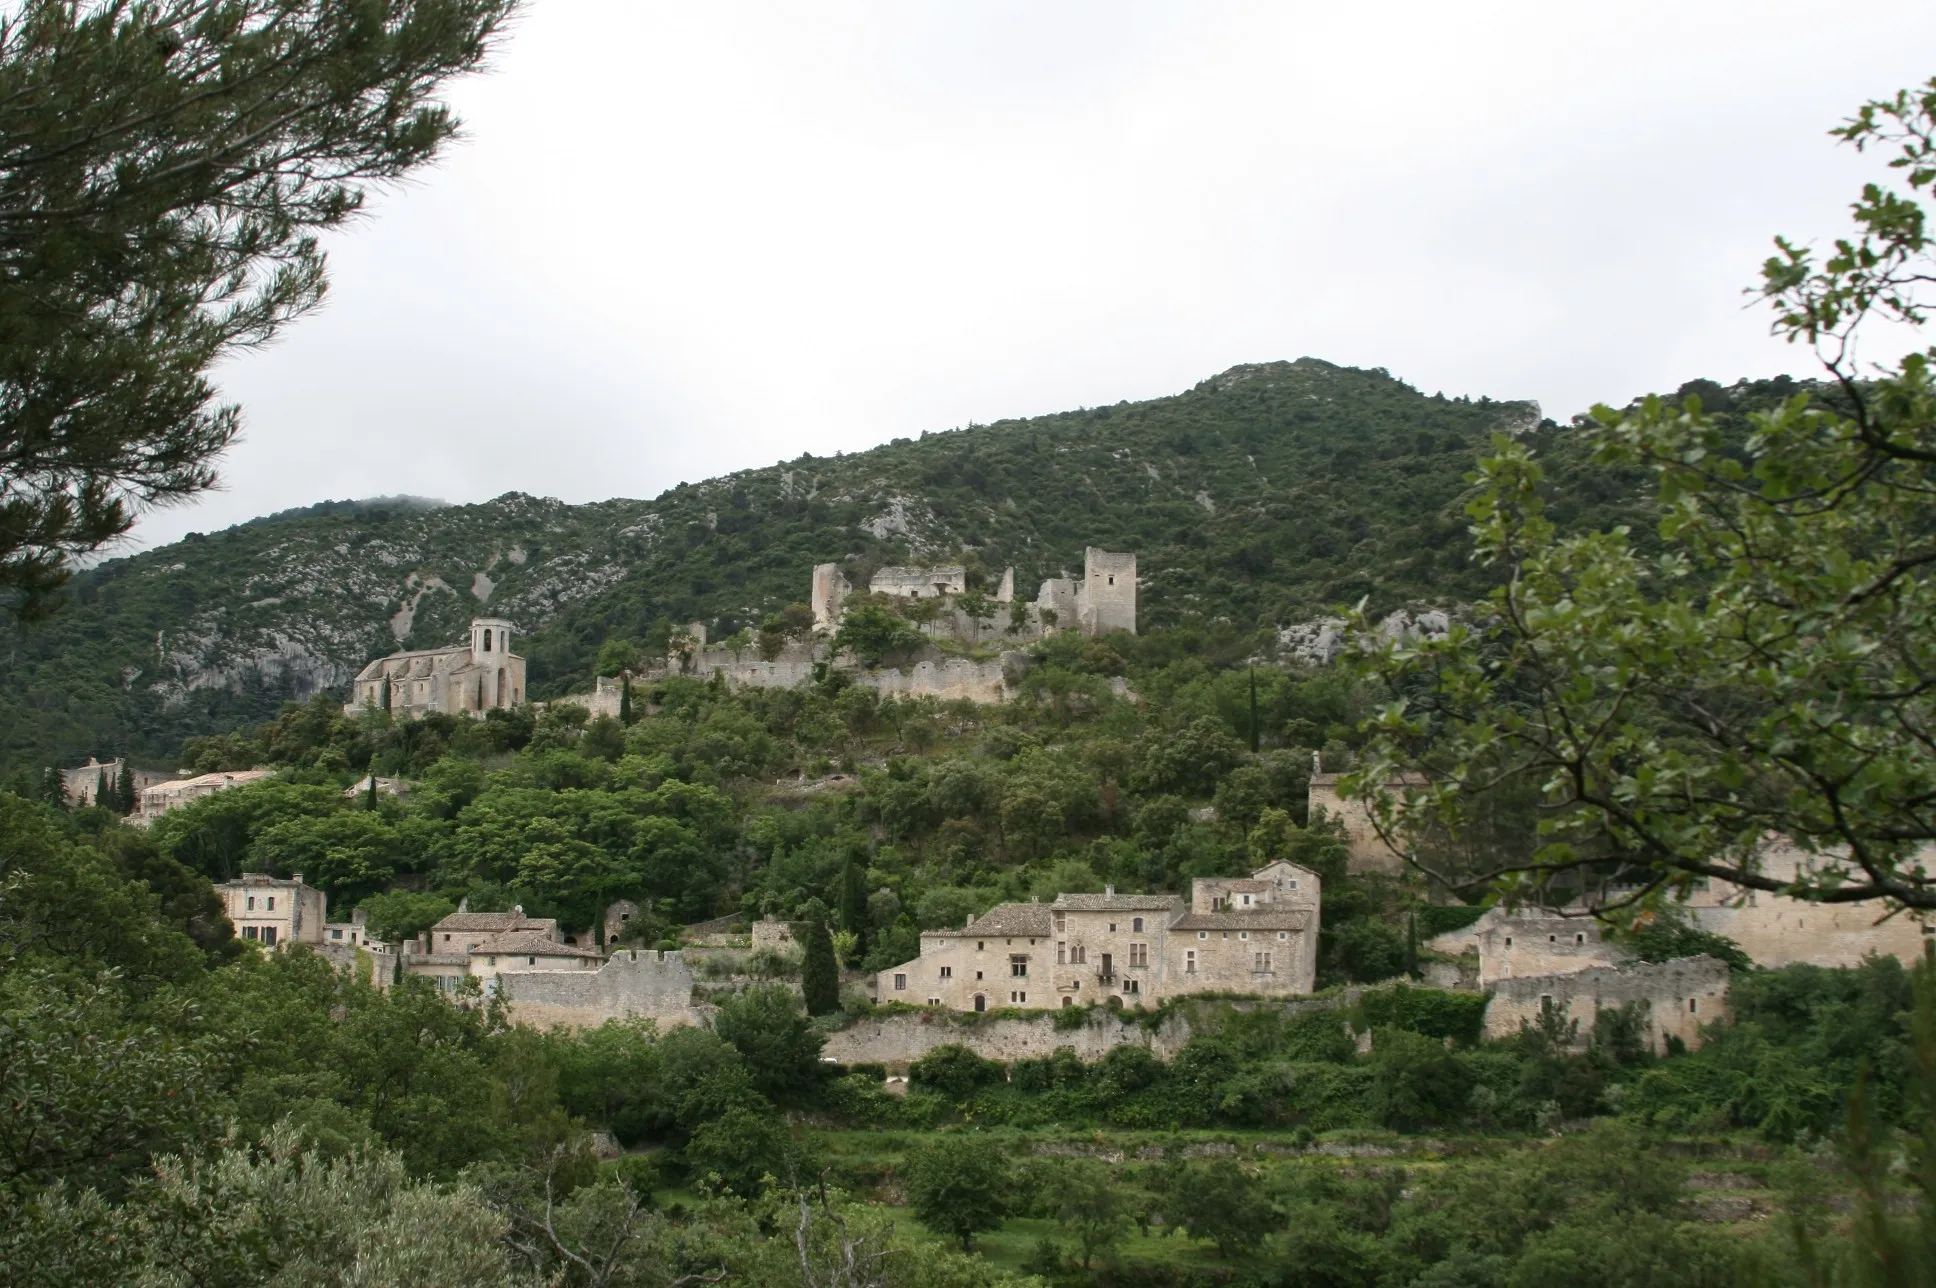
1263	495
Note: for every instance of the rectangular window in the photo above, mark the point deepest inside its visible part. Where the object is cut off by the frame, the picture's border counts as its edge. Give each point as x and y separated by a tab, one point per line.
934	1001
272	903
268	934
1203	934
1139	954
250	932
1136	926
531	961
493	961
947	972
980	944
1261	962
1243	934
977	974
1018	966
900	981
1190	962
1061	922
1062	954
1246	901
335	934
251	905
1693	1006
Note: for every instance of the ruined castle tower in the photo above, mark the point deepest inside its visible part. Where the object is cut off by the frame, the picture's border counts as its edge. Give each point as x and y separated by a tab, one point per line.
1106	600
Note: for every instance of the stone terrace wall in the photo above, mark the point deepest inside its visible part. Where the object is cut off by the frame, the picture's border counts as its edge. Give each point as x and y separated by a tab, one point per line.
900	1040
1666	989
633	983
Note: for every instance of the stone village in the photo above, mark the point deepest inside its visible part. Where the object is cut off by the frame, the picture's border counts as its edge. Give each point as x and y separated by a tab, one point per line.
1253	937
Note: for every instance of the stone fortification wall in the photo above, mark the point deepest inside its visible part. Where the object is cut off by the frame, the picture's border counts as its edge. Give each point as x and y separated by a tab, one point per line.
632	984
947	678
1679	997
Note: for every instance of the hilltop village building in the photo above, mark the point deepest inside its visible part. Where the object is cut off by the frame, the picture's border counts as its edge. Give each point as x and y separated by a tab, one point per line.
1253	935
157	800
480	676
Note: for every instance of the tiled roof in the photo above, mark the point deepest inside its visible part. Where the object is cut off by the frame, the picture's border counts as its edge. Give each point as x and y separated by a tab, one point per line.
1011	919
1114	902
1247	886
524	943
1257	919
493	921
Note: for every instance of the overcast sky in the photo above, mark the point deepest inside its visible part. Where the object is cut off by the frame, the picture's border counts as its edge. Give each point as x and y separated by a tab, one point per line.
682	239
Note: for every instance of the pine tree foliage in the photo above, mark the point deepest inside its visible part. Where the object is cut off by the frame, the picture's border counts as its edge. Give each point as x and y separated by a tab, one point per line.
165	169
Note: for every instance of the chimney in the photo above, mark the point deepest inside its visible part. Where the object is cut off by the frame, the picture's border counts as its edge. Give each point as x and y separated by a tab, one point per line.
1109	892
297	878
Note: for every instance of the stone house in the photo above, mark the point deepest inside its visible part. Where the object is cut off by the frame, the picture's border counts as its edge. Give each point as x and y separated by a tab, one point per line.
520	951
1369	853
275	911
1254	935
479	676
157	800
443	953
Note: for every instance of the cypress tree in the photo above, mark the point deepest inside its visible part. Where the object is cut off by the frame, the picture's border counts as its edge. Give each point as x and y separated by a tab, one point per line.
819	976
625	699
853	898
101	797
124	790
1253	709
370	802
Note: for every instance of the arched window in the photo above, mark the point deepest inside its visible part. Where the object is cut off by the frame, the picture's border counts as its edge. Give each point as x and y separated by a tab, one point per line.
487	639
500	687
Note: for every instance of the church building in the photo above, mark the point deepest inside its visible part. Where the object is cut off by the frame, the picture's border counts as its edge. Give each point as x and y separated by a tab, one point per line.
480	676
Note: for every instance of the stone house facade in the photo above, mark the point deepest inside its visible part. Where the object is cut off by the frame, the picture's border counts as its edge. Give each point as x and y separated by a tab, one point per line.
1254	935
157	800
275	911
471	678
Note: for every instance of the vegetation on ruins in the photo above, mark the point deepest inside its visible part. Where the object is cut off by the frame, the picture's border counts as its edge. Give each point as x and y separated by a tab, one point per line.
167	170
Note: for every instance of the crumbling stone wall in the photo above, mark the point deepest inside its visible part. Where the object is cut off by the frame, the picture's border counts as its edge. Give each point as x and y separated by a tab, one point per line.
633	983
1678	997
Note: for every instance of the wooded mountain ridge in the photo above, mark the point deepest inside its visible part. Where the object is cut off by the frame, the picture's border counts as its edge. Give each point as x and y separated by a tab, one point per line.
1267	494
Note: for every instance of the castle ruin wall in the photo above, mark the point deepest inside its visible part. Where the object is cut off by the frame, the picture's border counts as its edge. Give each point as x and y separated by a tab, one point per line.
1679	997
632	984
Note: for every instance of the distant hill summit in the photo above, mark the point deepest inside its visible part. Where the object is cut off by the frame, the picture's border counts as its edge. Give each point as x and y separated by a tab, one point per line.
1265	494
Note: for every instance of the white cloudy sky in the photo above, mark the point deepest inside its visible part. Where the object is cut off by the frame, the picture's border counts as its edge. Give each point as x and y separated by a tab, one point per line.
686	238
